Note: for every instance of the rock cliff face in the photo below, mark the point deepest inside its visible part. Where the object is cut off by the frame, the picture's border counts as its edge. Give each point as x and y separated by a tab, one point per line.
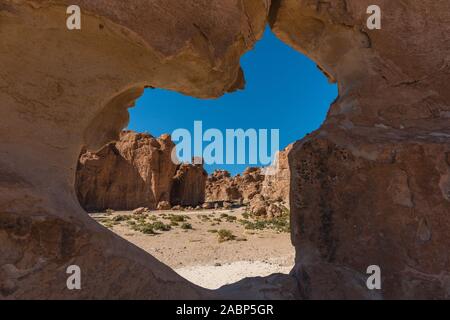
277	179
61	90
222	187
370	187
136	171
188	186
258	188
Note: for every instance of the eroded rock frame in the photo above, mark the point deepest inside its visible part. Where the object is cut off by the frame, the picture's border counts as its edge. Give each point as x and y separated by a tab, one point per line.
371	186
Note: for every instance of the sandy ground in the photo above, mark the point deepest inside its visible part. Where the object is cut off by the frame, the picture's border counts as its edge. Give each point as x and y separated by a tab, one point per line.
197	255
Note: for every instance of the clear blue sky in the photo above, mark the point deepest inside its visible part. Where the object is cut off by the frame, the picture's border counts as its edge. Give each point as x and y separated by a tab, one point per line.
284	90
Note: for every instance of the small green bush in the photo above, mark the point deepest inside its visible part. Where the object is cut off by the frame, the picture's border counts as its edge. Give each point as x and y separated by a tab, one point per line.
121	217
225	235
158	225
231	219
178	218
186	226
147	229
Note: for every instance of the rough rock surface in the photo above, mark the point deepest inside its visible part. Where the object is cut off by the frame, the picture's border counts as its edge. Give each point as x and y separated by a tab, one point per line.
277	179
368	187
188	187
61	90
260	189
222	187
136	171
371	186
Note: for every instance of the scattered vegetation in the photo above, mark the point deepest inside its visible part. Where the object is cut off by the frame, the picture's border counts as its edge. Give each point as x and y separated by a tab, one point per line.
280	224
149	224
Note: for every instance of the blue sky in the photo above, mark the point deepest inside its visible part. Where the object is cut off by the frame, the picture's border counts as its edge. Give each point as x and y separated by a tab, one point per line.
284	90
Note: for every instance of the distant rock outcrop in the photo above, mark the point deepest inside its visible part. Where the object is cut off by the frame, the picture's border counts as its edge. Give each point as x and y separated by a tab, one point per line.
277	179
265	191
220	186
137	171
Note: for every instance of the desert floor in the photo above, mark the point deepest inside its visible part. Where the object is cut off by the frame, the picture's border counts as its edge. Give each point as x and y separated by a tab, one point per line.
208	247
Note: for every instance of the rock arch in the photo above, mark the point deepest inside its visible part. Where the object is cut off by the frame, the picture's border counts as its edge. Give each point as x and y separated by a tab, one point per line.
388	129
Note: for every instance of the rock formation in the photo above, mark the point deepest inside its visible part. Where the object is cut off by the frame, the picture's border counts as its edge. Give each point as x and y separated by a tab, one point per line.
370	187
265	191
136	171
64	89
277	179
188	186
220	186
241	188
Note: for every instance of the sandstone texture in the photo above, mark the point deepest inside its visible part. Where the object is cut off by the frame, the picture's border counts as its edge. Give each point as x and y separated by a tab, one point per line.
366	188
221	186
136	171
264	190
277	179
61	90
370	187
188	186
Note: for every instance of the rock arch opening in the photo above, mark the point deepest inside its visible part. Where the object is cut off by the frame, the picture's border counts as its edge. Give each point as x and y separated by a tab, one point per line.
369	187
219	221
